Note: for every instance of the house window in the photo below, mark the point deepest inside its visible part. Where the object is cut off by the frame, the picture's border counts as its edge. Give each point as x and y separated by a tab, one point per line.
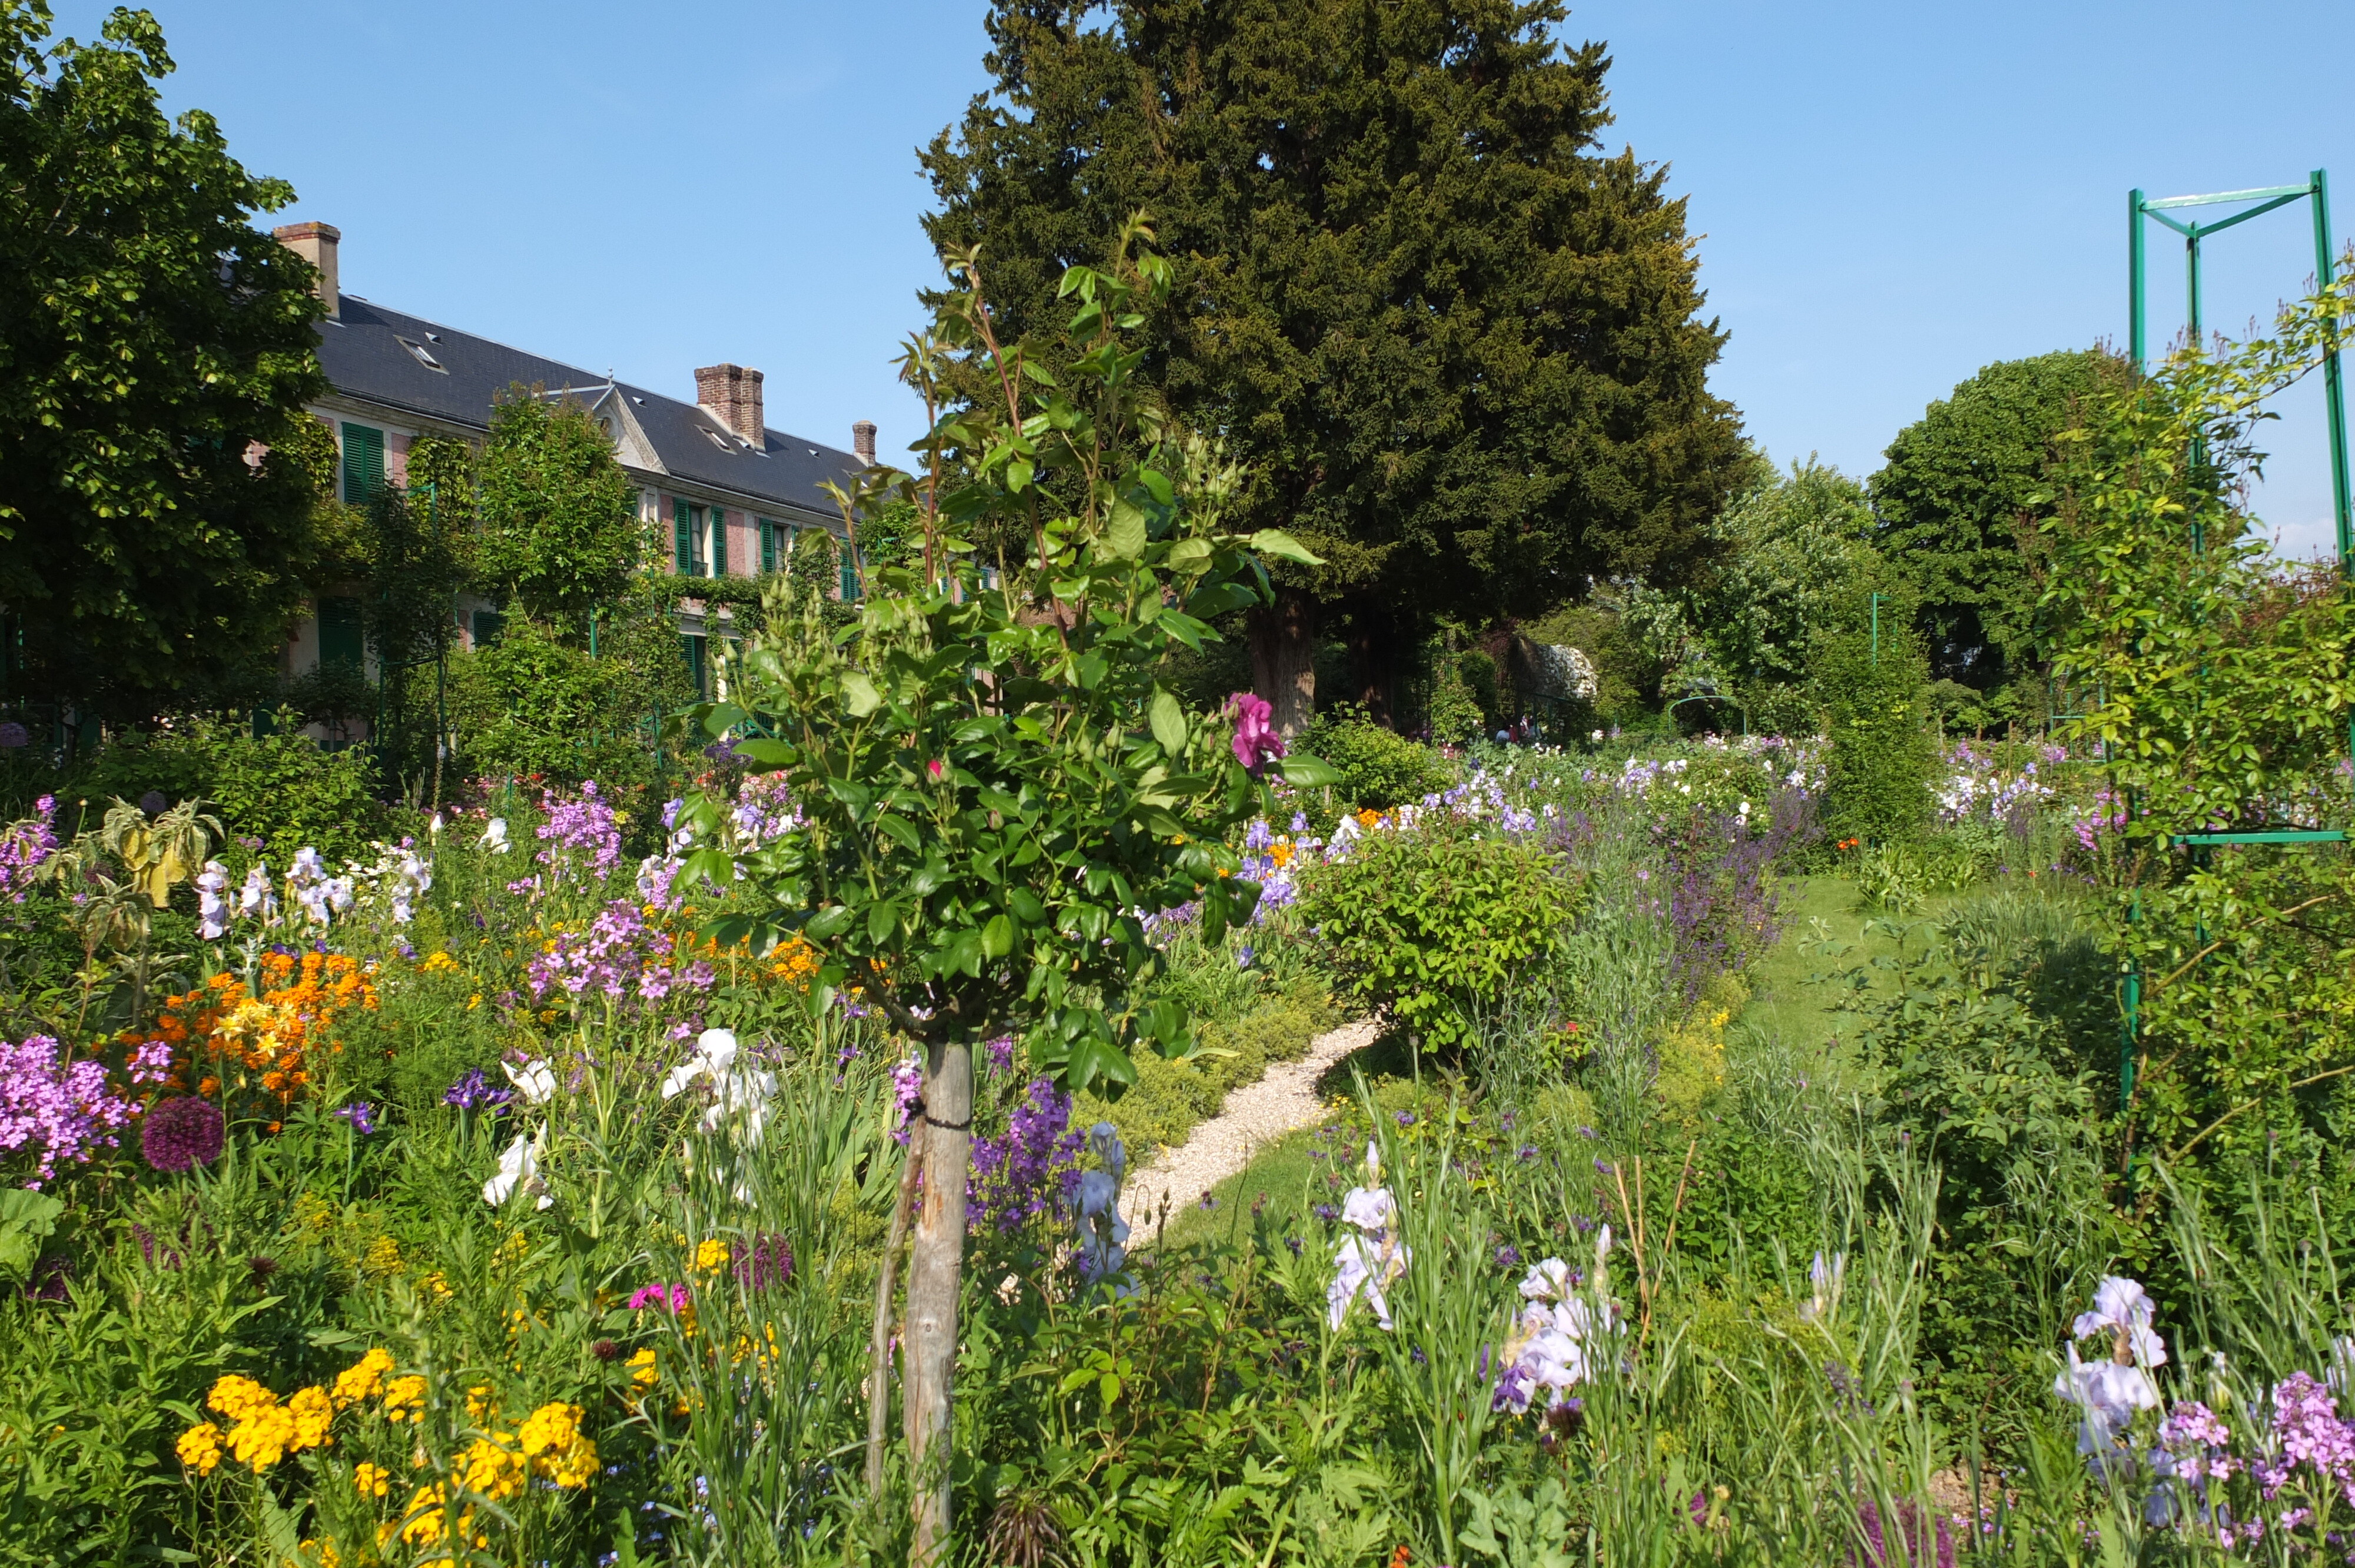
718	542
686	537
363	463
697	667
341	646
489	626
849	576
769	545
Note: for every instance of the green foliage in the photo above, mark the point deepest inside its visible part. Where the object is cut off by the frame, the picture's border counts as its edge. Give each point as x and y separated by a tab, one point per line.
534	704
1170	1098
1880	750
1380	767
1446	340
1964	489
1433	926
560	529
2225	686
152	335
1796	559
979	856
282	786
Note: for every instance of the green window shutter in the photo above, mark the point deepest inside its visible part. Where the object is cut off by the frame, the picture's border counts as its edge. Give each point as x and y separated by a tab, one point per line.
682	538
718	542
768	546
363	463
340	644
692	647
489	626
849	576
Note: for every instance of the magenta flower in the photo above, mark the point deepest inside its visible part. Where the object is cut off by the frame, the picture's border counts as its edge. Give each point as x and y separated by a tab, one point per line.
673	1297
181	1134
1255	739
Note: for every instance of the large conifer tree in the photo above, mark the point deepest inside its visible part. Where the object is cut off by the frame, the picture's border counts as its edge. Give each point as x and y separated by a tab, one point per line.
1455	346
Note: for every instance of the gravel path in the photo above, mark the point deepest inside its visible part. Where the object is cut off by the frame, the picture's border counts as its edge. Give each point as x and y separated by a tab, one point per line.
1255	1115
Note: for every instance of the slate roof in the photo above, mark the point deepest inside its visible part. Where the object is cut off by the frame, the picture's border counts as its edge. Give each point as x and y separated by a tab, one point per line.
371	353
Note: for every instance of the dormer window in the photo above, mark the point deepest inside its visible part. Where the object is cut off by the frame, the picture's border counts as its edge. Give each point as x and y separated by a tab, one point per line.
715	438
419	353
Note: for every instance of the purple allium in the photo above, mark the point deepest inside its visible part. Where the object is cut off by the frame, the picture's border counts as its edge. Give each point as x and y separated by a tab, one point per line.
1405	1118
361	1115
766	1263
1914	1534
13	735
51	1277
184	1133
474	1092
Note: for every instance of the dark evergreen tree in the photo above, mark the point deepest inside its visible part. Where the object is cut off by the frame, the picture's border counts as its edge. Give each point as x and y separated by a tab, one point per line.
1454	345
1961	493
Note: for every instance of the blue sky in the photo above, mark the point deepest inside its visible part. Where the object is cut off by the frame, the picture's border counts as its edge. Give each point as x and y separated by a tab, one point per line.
1892	194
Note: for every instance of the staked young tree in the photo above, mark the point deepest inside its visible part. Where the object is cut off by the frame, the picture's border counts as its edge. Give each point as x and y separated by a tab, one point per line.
152	343
1449	342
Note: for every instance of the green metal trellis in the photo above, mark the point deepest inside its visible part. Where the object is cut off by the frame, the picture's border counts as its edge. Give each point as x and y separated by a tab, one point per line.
2252	204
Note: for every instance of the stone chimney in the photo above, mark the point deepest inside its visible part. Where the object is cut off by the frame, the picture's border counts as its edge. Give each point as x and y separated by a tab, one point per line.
731	395
315	243
862	442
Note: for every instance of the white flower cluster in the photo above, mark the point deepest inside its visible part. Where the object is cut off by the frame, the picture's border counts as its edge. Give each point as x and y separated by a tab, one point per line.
2110	1391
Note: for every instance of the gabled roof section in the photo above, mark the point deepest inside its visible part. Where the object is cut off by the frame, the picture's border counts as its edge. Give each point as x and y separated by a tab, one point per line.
410	364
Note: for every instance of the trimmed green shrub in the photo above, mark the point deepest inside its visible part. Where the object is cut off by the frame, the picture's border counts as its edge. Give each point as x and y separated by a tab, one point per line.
1432	925
1877	764
1380	767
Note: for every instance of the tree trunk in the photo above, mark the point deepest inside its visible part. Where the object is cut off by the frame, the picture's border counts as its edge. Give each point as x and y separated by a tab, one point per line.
935	1262
1284	659
1373	662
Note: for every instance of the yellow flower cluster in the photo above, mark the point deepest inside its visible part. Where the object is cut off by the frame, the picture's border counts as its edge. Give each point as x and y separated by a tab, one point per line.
642	1369
262	1431
553	1441
550	1443
438	962
371	1480
711	1256
423	1522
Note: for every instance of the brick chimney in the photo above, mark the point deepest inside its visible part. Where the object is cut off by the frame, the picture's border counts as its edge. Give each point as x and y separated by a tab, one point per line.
315	243
731	395
862	442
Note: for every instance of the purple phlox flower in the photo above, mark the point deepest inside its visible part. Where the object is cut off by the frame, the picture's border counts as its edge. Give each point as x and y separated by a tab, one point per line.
1001	1053
151	1063
579	826
25	847
670	1298
1920	1540
907	1093
59	1110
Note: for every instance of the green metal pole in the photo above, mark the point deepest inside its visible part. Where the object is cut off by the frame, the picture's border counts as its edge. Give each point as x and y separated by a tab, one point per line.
1876	630
2333	390
2191	274
2135	272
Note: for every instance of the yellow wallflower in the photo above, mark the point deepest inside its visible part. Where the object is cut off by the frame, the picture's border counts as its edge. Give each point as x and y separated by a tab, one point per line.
238	1397
322	1552
371	1480
423	1522
312	1412
479	1403
436	1285
363	1378
199	1447
492	1469
404	1398
550	1427
383	1256
263	1438
711	1256
438	962
642	1369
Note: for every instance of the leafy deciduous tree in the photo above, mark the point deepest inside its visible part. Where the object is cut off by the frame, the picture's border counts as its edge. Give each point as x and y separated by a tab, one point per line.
149	337
1961	493
560	528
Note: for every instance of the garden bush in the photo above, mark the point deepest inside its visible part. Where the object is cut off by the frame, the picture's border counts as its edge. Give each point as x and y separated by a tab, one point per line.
1380	768
281	788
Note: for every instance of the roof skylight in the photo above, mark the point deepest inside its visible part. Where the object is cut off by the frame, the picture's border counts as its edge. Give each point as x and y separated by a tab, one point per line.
422	354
